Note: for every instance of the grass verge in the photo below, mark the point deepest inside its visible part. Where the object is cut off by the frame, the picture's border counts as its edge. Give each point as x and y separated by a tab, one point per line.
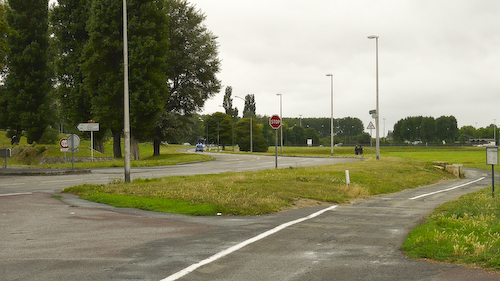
268	191
465	231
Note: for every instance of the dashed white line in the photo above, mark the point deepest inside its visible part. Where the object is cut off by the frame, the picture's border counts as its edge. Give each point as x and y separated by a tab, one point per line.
444	190
237	247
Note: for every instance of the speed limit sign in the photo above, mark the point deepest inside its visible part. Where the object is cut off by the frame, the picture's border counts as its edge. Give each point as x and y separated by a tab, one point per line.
63	143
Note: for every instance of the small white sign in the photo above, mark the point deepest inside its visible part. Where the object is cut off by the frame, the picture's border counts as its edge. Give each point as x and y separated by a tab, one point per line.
492	155
371	126
309	142
88	127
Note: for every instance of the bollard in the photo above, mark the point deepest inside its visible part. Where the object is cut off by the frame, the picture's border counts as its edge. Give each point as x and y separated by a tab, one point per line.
347	179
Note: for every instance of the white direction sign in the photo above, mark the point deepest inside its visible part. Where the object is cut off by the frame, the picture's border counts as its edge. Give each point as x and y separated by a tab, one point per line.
88	127
370	126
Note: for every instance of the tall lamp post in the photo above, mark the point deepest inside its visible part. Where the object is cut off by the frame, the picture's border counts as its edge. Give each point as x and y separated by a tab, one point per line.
331	124
495	130
281	116
377	116
251	137
126	106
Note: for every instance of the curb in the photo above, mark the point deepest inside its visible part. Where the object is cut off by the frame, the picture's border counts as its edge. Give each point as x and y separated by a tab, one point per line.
41	172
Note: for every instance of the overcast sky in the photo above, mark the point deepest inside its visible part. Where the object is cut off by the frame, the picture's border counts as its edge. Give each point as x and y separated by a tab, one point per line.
436	57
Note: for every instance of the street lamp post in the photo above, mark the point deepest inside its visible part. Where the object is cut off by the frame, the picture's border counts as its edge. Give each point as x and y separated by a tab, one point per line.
331	121
126	102
377	116
495	130
281	116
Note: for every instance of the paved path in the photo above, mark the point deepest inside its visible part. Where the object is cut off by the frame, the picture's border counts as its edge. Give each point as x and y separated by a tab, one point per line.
43	238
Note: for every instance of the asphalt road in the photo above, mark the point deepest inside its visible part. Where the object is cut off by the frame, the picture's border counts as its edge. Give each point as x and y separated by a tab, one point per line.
13	183
43	238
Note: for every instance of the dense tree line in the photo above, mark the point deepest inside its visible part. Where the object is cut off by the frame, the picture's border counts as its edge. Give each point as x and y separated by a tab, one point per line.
426	129
173	60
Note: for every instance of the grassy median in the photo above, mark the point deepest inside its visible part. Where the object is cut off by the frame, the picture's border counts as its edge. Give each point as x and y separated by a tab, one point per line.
263	192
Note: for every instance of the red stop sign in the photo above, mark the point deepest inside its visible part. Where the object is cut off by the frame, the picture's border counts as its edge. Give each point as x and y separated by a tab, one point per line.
275	122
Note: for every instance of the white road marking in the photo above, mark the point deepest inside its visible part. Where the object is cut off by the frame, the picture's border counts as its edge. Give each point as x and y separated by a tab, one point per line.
444	190
237	247
12	184
57	181
14	194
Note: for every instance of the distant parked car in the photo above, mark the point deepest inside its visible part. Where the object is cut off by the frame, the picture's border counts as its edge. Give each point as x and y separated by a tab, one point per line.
186	144
199	147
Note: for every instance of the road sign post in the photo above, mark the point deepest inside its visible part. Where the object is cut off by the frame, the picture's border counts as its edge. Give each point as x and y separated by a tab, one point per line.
371	127
73	143
5	153
275	123
492	159
63	143
89	127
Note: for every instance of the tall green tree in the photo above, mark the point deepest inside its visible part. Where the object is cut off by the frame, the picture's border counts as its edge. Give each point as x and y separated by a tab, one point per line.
250	107
25	104
4	29
103	66
148	43
192	67
228	102
68	22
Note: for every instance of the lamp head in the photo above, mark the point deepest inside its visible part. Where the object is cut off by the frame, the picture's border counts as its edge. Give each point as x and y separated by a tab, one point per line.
373	37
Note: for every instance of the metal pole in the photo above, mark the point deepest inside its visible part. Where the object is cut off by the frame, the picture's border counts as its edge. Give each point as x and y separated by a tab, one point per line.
495	130
492	181
276	149
251	133
281	116
72	151
126	105
331	119
378	112
377	108
92	146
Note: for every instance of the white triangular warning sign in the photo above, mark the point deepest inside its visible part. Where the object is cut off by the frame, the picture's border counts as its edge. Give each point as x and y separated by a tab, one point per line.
371	126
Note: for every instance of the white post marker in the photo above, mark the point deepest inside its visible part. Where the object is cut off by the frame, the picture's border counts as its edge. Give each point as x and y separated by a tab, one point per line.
275	123
347	178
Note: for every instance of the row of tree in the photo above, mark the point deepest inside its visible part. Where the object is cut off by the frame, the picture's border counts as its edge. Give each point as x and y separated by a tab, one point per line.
218	128
66	63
